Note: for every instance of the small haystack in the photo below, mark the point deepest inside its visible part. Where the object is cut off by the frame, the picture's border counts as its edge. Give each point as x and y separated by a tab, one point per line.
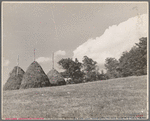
55	78
34	77
15	79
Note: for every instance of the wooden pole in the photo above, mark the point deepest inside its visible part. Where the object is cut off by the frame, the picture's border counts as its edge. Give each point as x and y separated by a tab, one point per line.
53	60
34	54
17	64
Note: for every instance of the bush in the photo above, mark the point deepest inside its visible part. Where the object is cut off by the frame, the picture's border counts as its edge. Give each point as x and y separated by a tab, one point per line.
90	76
79	80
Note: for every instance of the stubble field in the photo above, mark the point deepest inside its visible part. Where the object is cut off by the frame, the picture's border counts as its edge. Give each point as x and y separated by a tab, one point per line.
121	97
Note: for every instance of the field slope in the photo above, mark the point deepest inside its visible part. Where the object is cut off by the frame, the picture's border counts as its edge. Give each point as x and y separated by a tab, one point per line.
109	98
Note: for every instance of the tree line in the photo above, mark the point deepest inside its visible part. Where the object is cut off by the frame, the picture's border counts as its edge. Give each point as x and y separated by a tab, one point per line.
130	63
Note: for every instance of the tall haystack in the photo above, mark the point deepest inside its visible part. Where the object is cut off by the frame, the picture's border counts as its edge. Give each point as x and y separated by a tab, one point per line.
15	79
55	78
34	77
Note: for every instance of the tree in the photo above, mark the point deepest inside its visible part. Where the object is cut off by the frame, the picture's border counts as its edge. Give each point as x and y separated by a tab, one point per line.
101	75
130	63
72	68
111	65
125	67
88	64
142	51
134	62
89	68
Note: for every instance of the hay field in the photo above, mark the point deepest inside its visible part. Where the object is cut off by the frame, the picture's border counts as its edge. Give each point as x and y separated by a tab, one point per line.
108	98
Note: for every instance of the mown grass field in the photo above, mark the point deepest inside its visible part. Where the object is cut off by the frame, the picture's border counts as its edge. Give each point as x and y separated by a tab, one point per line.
122	97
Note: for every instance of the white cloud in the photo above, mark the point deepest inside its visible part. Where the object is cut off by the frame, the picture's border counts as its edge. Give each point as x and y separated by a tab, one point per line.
60	52
5	62
114	41
43	59
58	56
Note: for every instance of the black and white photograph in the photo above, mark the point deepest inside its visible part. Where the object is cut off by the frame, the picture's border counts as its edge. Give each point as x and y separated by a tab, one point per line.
74	60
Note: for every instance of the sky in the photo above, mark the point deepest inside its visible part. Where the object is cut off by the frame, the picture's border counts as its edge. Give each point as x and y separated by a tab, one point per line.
70	30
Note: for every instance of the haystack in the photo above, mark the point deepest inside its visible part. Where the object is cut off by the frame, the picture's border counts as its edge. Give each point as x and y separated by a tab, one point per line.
55	78
15	79
34	77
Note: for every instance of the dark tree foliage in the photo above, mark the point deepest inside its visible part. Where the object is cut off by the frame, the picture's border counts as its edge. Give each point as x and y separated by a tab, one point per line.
72	69
111	65
88	64
130	63
124	64
64	74
142	49
89	69
134	62
101	76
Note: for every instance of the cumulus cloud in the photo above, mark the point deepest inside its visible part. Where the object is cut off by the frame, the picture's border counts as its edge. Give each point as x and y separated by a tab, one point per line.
5	62
60	52
115	40
43	59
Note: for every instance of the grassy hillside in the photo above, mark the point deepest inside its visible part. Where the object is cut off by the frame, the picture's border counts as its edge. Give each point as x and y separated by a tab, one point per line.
109	98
